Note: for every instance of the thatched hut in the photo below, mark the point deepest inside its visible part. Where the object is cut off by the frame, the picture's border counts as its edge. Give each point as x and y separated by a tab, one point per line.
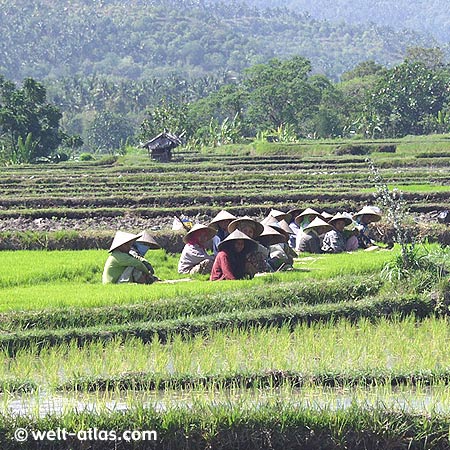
160	147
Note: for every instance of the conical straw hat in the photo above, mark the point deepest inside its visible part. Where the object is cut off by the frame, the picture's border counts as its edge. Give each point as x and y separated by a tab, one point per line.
147	239
222	215
294	212
238	235
122	237
370	211
319	225
197	227
339	216
326	216
269	220
238	222
279	225
307	212
270	236
280	215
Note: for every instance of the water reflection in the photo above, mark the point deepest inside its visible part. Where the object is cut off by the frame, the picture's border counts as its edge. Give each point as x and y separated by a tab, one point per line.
429	399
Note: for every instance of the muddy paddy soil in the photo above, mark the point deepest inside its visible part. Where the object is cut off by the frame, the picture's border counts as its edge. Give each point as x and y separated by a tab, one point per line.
129	222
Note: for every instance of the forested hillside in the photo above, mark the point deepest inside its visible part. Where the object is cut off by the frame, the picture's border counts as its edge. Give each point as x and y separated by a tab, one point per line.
424	16
140	39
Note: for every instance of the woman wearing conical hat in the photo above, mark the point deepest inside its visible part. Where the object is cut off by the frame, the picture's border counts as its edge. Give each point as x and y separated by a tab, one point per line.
230	262
306	217
140	247
335	241
121	267
309	240
257	259
363	218
281	256
300	220
194	257
220	222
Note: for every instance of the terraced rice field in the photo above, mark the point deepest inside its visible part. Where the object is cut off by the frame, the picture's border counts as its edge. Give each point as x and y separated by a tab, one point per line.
334	354
203	183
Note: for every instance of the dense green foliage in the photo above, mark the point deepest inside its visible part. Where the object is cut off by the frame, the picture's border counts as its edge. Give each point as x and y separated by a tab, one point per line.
119	74
284	100
138	40
424	16
29	125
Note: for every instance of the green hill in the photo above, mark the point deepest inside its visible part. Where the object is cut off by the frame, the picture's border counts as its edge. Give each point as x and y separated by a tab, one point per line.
139	40
424	16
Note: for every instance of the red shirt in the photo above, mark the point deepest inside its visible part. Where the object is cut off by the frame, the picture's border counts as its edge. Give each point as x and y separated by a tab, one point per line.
222	269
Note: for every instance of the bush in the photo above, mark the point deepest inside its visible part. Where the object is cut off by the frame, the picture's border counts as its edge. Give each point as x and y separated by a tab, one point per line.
86	157
106	161
387	148
353	149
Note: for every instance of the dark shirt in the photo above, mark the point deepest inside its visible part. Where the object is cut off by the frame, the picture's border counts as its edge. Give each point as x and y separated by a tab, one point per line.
227	267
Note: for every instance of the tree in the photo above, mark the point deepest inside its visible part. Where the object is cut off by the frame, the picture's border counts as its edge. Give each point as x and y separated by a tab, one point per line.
168	116
356	87
432	58
28	124
363	69
279	93
108	132
403	97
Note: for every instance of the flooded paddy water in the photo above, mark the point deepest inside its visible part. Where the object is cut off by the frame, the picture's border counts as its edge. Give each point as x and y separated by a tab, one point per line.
415	400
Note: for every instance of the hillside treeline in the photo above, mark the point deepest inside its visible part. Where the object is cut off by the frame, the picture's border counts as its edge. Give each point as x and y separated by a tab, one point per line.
139	40
425	16
281	99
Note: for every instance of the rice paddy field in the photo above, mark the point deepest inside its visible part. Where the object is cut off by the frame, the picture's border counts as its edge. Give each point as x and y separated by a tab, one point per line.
339	353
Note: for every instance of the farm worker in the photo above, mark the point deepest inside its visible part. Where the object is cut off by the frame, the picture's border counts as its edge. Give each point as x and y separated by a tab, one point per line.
306	217
140	247
301	220
194	257
363	218
256	261
121	267
293	213
281	255
269	238
220	223
230	262
309	239
334	241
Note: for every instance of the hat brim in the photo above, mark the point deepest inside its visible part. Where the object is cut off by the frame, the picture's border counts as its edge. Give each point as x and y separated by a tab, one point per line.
119	240
347	220
298	220
259	228
211	233
149	241
238	236
372	217
271	239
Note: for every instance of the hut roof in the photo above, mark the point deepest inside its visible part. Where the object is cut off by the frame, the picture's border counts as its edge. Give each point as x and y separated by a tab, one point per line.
163	140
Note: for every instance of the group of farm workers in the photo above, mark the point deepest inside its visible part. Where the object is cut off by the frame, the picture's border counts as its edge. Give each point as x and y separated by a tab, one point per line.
232	248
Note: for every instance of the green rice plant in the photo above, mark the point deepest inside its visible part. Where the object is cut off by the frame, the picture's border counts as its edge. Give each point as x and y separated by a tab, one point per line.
331	353
246	298
275	317
72	278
